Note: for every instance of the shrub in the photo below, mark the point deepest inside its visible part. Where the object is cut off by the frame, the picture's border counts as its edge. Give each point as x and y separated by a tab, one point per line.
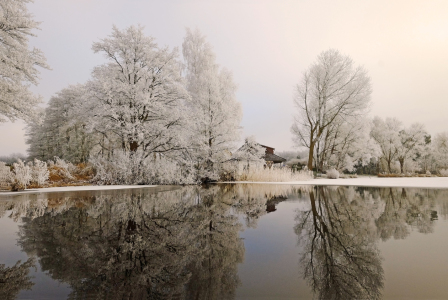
135	168
332	174
83	171
21	176
60	170
5	174
444	172
39	172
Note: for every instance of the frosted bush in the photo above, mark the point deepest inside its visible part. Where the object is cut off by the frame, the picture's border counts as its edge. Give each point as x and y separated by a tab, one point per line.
428	172
134	168
21	176
60	170
5	174
39	172
332	174
444	172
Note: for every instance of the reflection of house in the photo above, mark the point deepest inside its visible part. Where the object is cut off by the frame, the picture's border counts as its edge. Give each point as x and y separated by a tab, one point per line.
271	157
271	203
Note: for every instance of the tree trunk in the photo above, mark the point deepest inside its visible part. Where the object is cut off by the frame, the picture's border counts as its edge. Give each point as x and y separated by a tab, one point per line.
401	160
310	156
133	146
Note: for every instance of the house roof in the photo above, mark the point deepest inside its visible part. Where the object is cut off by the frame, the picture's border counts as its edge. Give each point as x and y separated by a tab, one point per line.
268	156
274	158
266	146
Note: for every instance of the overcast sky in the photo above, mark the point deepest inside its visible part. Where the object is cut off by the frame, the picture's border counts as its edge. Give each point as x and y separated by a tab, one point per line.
267	45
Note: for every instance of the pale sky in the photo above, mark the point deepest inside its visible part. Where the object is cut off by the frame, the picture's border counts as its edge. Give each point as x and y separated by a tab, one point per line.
267	44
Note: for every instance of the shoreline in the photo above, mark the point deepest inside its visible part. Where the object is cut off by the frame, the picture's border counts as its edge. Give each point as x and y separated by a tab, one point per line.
364	181
75	189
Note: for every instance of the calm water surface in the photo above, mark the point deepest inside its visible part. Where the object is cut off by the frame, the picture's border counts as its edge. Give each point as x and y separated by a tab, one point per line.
226	242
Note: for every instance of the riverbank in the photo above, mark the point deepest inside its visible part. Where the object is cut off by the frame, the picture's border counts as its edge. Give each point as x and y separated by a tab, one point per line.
409	182
74	189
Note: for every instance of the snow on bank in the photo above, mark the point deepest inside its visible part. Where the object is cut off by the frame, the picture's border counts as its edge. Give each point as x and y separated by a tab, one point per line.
76	188
414	182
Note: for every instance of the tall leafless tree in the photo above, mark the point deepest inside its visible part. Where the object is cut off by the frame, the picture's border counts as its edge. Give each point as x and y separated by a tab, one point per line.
332	88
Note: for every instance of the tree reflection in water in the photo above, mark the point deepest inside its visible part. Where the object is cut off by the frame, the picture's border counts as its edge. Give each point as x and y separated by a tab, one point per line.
339	257
339	233
14	279
183	243
178	244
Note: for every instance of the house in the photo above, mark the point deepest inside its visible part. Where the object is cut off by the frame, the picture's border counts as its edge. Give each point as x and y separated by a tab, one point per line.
248	157
272	203
270	157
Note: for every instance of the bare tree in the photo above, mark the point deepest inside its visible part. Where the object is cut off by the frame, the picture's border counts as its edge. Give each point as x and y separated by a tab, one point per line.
332	88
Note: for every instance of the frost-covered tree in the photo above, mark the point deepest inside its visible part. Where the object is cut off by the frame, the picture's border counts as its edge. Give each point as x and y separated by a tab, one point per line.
412	140
5	174
386	133
215	112
440	147
426	158
62	131
36	138
39	172
135	100
250	153
344	144
332	88
396	142
17	62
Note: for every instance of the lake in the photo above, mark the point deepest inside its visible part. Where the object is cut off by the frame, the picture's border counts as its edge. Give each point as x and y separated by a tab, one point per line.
226	241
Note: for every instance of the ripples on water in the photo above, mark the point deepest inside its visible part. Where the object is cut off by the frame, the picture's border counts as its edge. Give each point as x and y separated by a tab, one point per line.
221	242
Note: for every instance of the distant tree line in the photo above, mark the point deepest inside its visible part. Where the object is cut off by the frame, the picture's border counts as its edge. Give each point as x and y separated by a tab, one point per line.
332	102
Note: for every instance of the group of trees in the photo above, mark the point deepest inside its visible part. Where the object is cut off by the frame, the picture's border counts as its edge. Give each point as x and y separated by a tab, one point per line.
144	109
332	101
144	104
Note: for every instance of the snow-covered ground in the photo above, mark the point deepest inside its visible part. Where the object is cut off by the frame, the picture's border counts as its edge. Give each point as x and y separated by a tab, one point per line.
415	182
76	188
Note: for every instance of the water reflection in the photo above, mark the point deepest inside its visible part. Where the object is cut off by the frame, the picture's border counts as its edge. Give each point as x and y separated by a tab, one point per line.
339	257
339	234
14	279
177	244
184	243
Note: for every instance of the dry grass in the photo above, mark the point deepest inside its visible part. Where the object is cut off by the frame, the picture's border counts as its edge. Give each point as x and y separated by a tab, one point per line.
80	175
405	175
275	175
